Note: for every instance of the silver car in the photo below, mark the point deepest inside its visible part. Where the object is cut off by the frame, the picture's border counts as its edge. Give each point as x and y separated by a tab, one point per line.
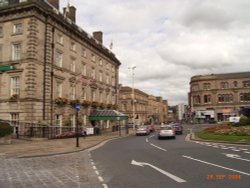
166	131
142	130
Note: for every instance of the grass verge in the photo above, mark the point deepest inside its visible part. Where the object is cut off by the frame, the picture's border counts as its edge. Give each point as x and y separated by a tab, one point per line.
220	137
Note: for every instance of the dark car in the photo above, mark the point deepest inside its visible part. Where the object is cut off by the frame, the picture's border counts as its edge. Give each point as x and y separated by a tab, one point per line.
151	128
178	128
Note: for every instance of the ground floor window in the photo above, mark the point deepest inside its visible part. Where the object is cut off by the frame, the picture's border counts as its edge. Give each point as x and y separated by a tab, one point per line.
58	120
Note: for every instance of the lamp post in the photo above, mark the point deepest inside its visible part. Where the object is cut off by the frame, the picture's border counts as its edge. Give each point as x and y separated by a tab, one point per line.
133	96
77	107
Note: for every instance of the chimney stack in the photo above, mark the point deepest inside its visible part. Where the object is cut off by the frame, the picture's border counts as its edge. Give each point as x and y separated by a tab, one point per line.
54	3
98	36
70	13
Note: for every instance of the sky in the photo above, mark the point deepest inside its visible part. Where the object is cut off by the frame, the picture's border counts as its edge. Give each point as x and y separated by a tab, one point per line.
169	41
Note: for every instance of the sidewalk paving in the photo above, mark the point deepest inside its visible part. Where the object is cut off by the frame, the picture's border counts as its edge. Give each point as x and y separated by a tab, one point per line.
25	148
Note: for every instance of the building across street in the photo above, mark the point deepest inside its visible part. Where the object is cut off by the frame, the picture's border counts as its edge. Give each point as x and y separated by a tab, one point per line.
217	97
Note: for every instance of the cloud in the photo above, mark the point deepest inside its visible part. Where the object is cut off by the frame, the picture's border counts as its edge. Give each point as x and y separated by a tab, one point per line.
172	40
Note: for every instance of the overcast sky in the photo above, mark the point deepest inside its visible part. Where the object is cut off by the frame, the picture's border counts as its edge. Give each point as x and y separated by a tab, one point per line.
169	41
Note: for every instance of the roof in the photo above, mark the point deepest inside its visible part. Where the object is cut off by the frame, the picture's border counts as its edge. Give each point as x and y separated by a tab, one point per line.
107	115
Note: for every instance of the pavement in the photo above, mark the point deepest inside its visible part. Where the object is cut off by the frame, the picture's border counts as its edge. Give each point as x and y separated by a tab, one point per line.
20	148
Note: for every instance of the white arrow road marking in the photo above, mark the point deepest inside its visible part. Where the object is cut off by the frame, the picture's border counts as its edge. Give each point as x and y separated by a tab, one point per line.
177	179
188	157
234	156
158	147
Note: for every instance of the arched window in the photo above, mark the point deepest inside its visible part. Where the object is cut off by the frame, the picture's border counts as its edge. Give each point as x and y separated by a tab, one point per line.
207	99
224	85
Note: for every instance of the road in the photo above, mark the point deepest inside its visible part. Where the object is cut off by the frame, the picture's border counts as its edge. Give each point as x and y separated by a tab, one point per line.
145	161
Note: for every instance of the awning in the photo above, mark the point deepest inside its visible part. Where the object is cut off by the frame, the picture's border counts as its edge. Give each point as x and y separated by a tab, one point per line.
107	115
6	68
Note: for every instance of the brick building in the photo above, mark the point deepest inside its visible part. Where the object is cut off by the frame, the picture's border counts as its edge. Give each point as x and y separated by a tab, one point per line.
219	96
48	64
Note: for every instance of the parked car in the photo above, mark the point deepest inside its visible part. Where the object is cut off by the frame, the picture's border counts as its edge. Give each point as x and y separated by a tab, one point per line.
178	128
166	131
142	130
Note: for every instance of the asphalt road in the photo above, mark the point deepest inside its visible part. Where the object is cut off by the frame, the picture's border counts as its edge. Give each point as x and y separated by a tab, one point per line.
145	161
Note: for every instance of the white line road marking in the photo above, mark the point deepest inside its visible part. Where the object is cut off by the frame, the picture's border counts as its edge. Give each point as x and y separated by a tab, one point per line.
147	140
246	152
235	150
100	179
243	149
175	178
225	148
92	163
97	173
188	157
104	186
234	156
158	147
94	167
152	136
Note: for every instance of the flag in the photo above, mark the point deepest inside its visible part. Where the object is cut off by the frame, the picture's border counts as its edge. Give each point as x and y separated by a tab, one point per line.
111	45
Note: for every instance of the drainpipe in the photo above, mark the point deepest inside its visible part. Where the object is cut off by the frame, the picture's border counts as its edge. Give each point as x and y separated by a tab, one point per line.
52	78
44	66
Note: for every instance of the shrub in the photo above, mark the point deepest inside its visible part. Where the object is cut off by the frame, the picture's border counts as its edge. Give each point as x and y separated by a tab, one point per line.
244	120
5	129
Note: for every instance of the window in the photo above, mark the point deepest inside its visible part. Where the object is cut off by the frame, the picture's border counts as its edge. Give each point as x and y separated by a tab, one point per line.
15	86
4	2
93	95
16	51
101	97
84	52
58	119
113	81
1	31
206	86
72	93
235	84
124	107
17	28
195	87
93	57
59	89
73	120
224	85
14	118
100	76
100	62
93	73
83	94
108	98
59	38
84	69
246	83
59	59
1	52
225	98
245	97
207	99
73	65
107	79
196	99
73	46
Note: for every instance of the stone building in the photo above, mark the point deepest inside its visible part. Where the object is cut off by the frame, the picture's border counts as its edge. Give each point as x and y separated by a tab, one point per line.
219	96
48	64
148	109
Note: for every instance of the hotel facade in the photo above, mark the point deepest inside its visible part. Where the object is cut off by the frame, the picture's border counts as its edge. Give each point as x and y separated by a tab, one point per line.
48	64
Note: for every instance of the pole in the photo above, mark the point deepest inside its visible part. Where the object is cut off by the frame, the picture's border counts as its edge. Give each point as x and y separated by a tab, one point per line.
133	98
77	130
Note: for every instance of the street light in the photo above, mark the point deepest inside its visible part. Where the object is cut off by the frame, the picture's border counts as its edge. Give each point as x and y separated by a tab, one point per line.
133	96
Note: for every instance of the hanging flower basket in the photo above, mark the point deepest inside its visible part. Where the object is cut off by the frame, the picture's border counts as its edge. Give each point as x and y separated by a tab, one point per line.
61	101
74	102
86	103
14	97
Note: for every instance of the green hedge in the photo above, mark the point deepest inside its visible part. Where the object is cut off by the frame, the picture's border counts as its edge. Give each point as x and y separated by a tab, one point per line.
5	129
